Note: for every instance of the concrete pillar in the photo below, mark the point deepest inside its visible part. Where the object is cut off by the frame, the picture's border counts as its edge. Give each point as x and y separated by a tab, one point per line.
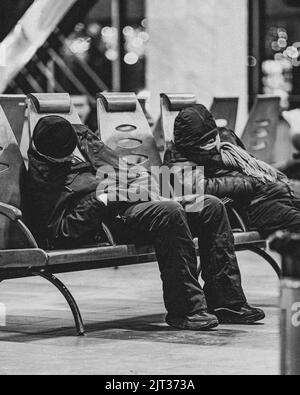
198	46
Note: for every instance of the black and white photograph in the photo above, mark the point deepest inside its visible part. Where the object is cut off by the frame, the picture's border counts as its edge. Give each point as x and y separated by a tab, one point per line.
150	190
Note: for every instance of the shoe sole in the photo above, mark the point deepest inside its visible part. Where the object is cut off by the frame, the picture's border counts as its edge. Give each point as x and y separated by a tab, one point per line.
252	319
193	326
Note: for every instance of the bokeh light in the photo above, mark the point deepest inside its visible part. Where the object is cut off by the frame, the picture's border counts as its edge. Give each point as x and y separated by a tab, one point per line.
131	58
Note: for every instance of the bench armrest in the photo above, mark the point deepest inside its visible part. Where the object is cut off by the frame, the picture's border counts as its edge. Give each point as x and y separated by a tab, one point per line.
239	220
13	213
108	234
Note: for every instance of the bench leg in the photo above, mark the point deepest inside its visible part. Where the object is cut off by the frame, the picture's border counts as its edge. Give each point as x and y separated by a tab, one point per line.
68	296
268	258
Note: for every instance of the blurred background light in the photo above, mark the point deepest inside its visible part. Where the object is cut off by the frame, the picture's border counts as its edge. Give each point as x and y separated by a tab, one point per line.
128	31
112	55
282	42
131	58
251	61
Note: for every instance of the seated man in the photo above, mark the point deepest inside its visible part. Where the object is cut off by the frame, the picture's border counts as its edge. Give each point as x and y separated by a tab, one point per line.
261	193
66	212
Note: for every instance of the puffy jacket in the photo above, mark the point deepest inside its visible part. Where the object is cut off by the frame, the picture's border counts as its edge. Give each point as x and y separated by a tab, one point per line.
220	182
216	182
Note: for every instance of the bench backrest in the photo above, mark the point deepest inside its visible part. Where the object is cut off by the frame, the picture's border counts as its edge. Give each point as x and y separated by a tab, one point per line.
41	105
12	171
15	109
260	133
225	111
124	128
143	100
171	105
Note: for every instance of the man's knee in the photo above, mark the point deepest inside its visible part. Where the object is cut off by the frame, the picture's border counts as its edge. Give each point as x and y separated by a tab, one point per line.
214	203
172	219
171	208
171	213
214	209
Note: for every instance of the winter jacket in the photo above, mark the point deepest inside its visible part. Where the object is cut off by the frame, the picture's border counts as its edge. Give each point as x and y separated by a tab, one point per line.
63	210
221	182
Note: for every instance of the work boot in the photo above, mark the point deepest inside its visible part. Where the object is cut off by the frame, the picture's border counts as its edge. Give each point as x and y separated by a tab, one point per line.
245	315
197	322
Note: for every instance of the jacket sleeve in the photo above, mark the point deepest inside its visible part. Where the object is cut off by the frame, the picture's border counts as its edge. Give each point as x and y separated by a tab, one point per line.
234	186
80	222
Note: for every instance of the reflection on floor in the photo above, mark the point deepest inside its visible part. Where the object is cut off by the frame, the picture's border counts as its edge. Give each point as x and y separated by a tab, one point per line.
126	333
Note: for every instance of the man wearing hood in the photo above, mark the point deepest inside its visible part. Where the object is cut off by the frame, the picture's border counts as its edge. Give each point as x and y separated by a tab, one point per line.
260	192
66	212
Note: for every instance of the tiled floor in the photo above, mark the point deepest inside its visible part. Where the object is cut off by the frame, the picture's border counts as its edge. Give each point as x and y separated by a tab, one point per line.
126	333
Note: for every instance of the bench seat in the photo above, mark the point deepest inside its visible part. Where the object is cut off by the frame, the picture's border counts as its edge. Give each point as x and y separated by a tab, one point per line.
248	238
28	258
99	257
85	255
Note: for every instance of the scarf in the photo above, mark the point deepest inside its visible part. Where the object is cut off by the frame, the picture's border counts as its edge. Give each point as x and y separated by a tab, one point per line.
236	158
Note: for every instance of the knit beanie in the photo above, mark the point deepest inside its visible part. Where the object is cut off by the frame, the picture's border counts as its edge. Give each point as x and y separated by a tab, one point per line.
55	137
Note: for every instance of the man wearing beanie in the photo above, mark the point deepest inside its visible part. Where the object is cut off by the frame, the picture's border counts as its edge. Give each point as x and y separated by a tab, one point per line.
66	212
54	137
262	194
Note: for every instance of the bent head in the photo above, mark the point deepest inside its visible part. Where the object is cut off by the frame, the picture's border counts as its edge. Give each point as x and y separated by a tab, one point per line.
195	127
54	137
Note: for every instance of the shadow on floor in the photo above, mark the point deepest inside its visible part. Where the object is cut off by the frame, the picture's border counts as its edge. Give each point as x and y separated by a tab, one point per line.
150	328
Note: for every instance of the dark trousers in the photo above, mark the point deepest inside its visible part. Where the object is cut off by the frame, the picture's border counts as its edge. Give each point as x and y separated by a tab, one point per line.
171	230
273	215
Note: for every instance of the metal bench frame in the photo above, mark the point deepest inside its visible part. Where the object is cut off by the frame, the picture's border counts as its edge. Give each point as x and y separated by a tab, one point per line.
260	133
225	109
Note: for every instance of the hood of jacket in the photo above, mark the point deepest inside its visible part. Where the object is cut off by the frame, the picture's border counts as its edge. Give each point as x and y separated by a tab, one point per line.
195	127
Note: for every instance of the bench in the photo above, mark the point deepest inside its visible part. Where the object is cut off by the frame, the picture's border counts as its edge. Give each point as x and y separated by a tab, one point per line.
225	110
260	133
20	256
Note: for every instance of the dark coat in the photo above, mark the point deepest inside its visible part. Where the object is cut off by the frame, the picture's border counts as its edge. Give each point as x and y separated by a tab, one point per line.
222	182
63	210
